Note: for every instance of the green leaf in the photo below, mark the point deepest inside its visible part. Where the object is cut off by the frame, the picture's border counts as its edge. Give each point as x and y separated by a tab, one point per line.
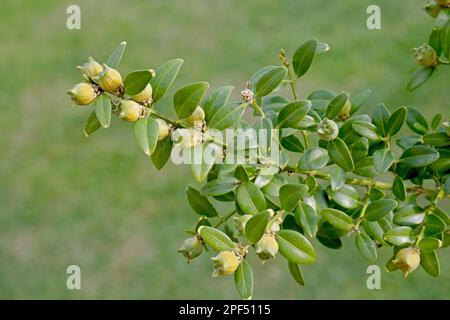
241	174
433	225
409	215
366	247
313	159
295	247
395	121
290	195
216	100
346	196
146	132
406	142
337	178
359	149
188	98
219	187
336	105
380	208
250	199
365	167
200	169
383	159
269	80
419	156
399	189
92	124
291	115
419	77
436	121
376	230
243	279
292	143
102	108
256	226
306	218
338	219
162	153
296	273
303	57
359	99
227	116
430	263
164	77
380	118
339	153
429	244
216	239
437	139
416	121
199	203
400	236
375	194
135	82
115	57
366	129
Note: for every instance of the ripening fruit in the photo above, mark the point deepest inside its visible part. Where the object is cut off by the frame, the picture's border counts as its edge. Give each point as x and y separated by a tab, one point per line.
187	138
143	96
109	79
197	117
130	110
191	248
345	112
327	130
225	263
91	68
425	55
163	129
407	260
82	94
267	246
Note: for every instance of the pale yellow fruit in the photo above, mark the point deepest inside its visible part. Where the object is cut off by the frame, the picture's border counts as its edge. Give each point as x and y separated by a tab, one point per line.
82	94
407	260
143	96
109	79
163	129
196	118
267	246
225	263
130	110
91	68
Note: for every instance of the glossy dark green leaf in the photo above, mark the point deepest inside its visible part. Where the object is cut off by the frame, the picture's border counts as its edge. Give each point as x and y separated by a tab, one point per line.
162	153
366	129
376	194
430	263
115	56
380	208
92	124
366	247
400	236
406	142
216	100
337	219
241	174
199	203
380	118
339	153
102	108
135	82
295	247
322	94
164	77
429	244
269	80
291	115
337	178
359	100
146	133
219	187
256	226
399	189
359	149
227	116
383	159
216	239
395	121
436	121
416	121
433	225
303	57
419	156
377	229
188	98
243	279
292	143
365	167
296	273
306	218
250	199
290	195
437	139
419	77
336	105
409	215
346	196
313	159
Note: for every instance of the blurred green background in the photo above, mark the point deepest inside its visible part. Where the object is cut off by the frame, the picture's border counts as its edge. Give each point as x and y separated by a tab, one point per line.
98	202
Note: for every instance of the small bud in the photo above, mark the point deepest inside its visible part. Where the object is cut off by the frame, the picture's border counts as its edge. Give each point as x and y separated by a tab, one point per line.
191	248
444	3
241	221
267	247
407	260
91	68
144	96
187	138
130	110
82	94
225	263
425	55
345	112
247	95
109	79
447	127
327	130
196	118
163	129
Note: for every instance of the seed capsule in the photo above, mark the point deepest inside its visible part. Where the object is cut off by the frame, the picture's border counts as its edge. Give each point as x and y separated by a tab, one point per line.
425	55
191	248
196	118
327	130
163	129
407	260
109	79
144	96
82	94
187	138
91	68
266	247
445	3
345	112
130	110
225	263
247	95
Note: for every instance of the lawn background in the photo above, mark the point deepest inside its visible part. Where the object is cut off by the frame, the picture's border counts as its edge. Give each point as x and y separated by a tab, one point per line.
98	202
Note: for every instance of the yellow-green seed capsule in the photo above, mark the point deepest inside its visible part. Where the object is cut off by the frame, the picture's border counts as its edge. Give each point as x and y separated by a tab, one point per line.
130	110
196	118
91	68
345	112
191	248
163	129
82	94
187	138
425	55
407	260
267	246
327	130
225	263
109	79
145	95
